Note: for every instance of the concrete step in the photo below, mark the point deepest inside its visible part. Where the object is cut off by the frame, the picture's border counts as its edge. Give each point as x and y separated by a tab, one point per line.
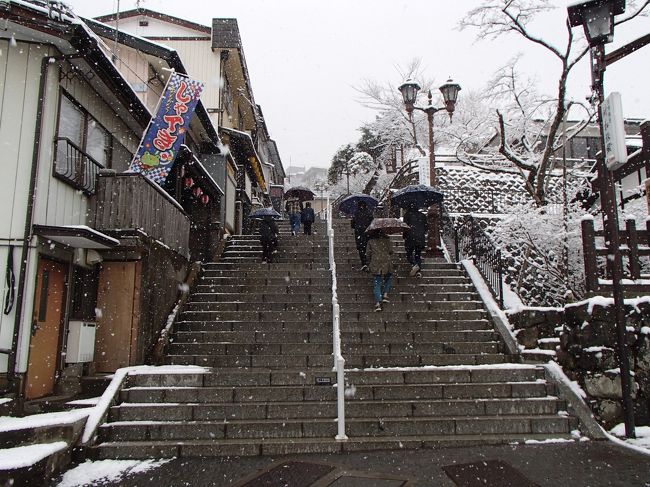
366	394
256	304
277	348
262	315
404	316
248	360
243	297
258	376
423	360
275	447
266	273
278	305
200	337
290	288
325	427
273	266
416	326
263	326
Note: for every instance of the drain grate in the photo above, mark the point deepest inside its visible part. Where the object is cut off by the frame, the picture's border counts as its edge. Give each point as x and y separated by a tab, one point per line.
290	474
490	473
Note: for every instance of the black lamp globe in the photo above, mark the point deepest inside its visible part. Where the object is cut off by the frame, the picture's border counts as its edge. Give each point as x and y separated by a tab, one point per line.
409	90
450	94
597	18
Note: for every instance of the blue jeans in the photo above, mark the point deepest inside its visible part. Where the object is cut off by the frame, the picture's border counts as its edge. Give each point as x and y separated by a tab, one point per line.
387	281
294	219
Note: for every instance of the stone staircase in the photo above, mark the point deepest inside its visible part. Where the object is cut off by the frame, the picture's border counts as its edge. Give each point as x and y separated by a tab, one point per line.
265	333
427	371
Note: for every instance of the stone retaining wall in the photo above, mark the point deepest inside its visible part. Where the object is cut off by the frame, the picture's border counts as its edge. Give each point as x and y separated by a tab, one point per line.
587	351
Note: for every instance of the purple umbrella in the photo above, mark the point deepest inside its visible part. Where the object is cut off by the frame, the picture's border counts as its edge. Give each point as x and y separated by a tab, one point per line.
300	192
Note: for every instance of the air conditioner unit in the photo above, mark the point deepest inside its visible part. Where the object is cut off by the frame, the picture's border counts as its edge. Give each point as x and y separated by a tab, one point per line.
81	342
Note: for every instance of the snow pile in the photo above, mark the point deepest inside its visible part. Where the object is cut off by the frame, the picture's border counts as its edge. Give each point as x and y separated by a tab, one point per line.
642	435
25	456
92	473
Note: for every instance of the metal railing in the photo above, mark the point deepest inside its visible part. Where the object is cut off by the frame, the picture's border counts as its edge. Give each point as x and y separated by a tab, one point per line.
339	361
465	239
73	165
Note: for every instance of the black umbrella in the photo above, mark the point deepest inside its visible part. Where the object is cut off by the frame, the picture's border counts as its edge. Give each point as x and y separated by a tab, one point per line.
300	192
349	204
416	196
387	226
262	212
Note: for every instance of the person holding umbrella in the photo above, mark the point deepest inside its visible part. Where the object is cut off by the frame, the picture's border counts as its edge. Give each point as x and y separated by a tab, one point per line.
360	222
379	252
307	217
293	207
268	238
415	238
268	230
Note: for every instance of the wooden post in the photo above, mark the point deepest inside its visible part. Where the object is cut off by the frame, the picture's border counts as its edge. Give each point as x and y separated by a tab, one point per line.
633	245
589	251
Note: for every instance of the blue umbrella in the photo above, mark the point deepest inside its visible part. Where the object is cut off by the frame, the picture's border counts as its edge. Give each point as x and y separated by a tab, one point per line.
262	212
349	204
416	196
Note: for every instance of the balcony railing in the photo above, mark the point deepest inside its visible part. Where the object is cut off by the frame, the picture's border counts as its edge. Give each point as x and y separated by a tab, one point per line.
132	202
75	166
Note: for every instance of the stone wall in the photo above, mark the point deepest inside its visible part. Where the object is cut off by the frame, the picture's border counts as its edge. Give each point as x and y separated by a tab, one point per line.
587	350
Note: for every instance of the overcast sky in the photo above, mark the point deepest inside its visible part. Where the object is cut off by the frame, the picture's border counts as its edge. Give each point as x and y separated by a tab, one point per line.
305	57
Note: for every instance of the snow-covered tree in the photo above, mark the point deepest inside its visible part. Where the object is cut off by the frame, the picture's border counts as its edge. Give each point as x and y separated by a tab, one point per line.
520	141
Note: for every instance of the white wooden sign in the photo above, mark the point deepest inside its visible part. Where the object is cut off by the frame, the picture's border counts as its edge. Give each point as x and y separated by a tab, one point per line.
614	131
423	170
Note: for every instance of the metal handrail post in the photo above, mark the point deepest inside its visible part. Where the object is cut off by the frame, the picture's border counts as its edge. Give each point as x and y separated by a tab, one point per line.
339	361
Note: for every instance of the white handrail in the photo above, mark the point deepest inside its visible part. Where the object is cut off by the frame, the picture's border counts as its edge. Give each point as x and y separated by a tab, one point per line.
339	361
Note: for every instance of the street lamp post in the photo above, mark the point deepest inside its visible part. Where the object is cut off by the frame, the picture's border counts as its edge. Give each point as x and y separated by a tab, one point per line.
597	19
449	90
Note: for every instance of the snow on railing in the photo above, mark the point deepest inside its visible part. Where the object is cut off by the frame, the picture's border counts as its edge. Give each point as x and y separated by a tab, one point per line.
339	361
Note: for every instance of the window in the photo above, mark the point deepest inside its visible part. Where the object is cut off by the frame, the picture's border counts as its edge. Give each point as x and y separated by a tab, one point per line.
83	146
579	148
227	96
120	157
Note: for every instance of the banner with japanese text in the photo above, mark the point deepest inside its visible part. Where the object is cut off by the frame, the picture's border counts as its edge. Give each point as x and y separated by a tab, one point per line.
166	131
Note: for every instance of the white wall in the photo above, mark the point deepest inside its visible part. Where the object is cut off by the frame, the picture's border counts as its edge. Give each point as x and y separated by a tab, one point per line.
156	28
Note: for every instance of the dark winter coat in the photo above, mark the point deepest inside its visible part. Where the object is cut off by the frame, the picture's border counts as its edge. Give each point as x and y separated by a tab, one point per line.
361	220
379	252
307	215
416	235
268	229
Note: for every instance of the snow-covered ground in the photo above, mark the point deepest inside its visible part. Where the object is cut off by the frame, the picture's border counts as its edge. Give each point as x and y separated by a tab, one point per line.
90	473
642	435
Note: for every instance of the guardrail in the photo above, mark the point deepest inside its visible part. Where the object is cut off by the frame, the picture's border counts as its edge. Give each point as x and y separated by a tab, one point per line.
465	239
339	361
75	166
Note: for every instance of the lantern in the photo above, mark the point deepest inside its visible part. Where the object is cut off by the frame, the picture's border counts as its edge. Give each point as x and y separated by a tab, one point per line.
450	94
188	182
205	199
197	191
597	18
409	92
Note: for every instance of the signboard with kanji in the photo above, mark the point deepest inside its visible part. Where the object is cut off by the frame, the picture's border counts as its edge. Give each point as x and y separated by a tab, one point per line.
614	131
166	131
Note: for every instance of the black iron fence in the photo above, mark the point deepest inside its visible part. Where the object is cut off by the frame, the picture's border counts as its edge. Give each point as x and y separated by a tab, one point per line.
75	166
464	238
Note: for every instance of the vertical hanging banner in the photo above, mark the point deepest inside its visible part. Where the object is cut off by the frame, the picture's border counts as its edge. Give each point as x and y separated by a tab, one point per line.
166	131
